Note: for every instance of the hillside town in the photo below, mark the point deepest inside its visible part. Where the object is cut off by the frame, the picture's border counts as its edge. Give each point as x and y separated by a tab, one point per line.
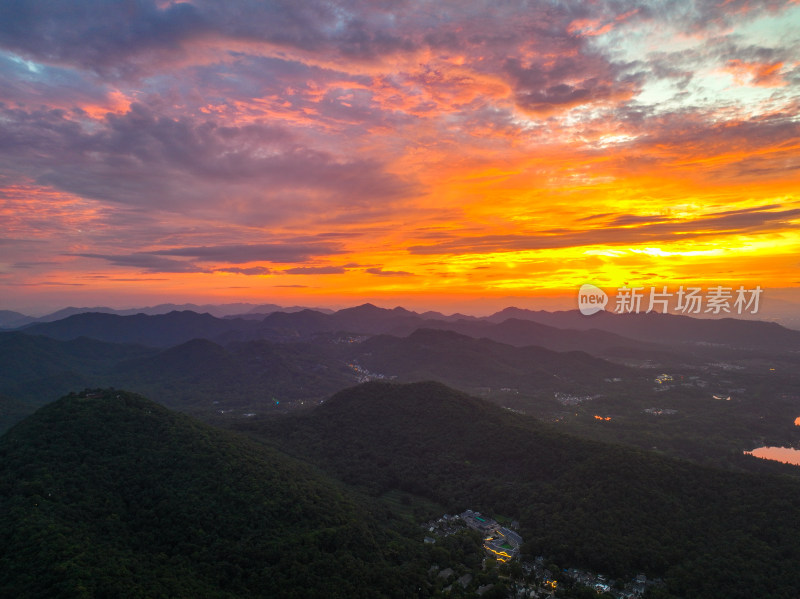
528	579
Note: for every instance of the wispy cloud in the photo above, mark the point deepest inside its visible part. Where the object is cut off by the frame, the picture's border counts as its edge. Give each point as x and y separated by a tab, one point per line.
147	262
242	253
251	271
642	229
388	273
315	270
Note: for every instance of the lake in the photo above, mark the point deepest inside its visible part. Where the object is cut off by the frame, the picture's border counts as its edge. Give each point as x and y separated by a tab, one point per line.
787	455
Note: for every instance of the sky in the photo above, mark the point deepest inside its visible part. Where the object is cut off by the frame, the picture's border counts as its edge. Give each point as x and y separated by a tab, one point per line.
432	154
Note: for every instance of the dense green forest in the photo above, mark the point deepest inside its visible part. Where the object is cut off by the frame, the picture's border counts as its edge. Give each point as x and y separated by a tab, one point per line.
107	494
112	495
458	360
710	533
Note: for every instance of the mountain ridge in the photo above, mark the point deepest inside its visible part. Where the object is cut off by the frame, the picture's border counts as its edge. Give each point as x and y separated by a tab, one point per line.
679	328
599	334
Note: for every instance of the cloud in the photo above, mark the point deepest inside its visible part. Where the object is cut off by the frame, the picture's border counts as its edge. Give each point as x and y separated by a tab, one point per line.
17	241
147	262
759	74
559	68
34	264
143	159
137	280
752	220
315	270
568	81
47	284
251	271
202	136
259	252
99	36
389	273
60	87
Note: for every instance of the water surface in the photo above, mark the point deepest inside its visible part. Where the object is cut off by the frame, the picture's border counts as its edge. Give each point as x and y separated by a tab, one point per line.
786	455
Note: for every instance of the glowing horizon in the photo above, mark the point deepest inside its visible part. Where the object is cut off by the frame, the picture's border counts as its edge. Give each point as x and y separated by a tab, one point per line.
425	153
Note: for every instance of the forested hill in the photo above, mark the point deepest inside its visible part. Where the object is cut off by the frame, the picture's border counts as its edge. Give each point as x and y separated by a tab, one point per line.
107	494
710	533
465	362
112	495
160	330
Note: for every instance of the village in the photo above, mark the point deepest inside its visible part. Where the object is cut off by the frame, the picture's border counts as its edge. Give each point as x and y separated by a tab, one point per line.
522	579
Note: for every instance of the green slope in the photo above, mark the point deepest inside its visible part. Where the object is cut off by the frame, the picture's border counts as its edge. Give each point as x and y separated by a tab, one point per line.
112	495
711	533
198	376
467	363
26	359
35	370
242	375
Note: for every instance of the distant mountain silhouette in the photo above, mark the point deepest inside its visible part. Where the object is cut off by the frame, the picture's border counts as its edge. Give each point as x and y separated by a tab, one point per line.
364	319
11	320
161	330
370	320
72	311
666	328
266	309
523	333
602	334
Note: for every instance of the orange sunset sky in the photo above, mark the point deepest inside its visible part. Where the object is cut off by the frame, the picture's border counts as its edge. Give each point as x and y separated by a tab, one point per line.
431	154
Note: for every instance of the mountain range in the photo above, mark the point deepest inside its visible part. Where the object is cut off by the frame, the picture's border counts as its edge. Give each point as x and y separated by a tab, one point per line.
228	367
602	333
202	376
10	319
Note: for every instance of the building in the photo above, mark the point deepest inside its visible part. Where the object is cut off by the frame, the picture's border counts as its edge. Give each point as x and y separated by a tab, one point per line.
499	542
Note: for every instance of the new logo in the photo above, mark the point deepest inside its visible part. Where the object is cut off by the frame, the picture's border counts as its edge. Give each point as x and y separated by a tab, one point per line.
591	299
